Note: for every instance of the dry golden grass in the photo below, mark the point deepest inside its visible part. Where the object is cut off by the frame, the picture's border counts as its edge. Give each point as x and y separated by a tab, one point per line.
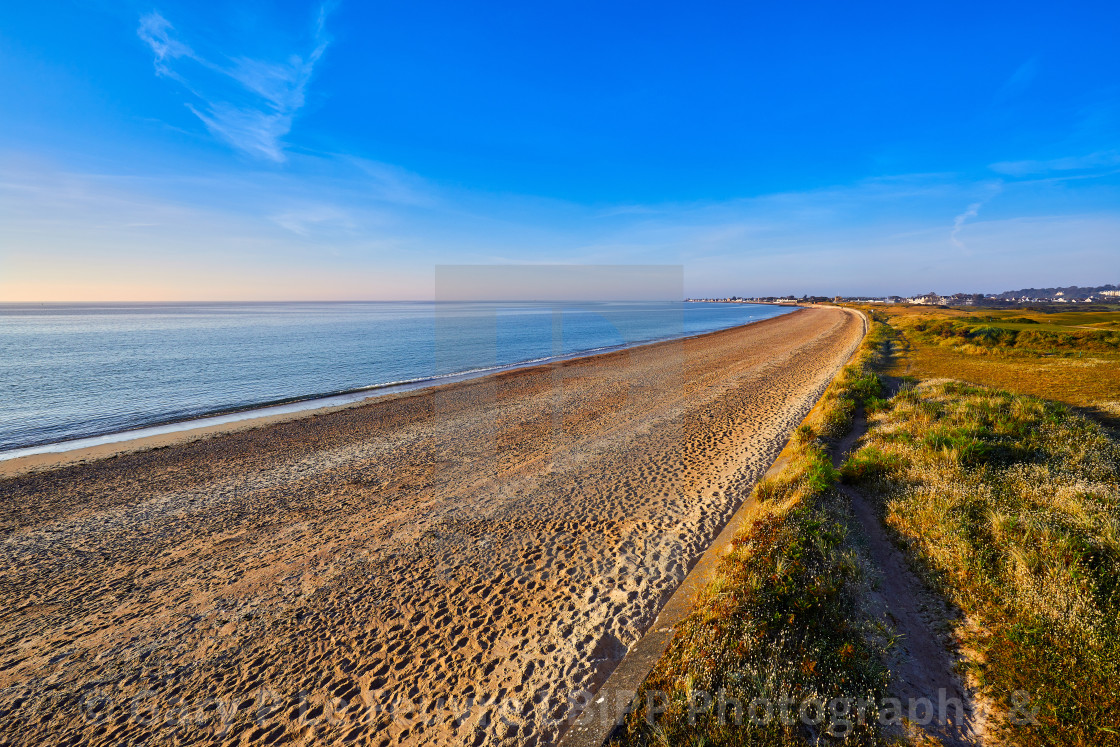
1011	506
1086	377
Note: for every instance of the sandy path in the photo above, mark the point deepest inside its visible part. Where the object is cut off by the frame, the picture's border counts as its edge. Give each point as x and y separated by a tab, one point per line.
495	544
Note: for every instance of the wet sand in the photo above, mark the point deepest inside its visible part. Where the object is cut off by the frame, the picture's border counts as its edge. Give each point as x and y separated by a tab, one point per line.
452	566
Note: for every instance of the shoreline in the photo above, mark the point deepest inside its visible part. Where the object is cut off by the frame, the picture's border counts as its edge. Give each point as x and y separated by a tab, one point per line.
509	537
55	454
613	697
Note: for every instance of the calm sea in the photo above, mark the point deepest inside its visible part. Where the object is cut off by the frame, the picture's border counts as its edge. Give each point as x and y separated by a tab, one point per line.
76	371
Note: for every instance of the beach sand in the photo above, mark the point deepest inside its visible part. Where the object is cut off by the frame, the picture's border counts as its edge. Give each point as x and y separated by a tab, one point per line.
457	565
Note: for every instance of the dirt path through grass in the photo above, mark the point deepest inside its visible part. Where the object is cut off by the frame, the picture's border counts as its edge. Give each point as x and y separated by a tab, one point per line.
923	664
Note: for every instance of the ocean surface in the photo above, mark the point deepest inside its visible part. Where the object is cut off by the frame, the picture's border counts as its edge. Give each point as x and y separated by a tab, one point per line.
80	371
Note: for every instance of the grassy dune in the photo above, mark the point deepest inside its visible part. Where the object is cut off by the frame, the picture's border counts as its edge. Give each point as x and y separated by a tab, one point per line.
1069	357
781	618
1010	505
1007	504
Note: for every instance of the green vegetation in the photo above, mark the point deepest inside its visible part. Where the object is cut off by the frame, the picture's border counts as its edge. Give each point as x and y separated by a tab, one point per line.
1014	336
1069	356
781	618
1011	507
1006	503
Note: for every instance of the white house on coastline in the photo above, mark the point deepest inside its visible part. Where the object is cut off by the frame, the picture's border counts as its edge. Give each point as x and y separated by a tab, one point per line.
929	299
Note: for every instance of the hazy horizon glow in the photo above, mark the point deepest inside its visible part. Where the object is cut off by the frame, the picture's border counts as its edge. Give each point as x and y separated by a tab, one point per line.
177	152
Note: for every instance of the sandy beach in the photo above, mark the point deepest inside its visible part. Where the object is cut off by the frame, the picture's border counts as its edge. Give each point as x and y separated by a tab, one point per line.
454	566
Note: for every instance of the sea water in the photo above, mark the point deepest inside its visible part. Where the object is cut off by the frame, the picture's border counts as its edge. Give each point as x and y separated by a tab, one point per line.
71	371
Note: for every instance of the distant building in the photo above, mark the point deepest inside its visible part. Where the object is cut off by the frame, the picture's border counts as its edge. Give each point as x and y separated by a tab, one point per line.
929	299
962	299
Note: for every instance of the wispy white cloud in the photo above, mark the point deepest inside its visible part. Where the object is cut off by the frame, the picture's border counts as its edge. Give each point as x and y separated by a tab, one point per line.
1107	159
314	219
252	131
326	229
155	30
959	221
392	184
271	93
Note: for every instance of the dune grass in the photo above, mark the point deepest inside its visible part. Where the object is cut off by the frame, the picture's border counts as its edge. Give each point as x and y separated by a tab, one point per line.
1065	356
780	623
1016	335
1010	505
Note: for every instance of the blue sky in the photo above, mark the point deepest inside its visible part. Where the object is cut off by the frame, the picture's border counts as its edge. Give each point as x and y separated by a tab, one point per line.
257	150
